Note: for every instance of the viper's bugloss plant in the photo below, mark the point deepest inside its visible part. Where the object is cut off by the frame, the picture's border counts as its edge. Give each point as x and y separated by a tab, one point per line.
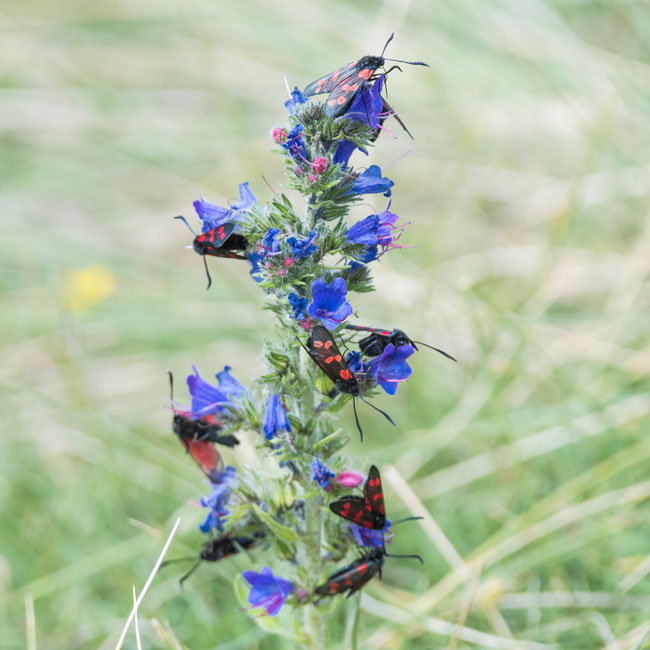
309	261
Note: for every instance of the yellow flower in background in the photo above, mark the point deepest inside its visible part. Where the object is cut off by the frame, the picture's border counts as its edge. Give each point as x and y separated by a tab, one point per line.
84	288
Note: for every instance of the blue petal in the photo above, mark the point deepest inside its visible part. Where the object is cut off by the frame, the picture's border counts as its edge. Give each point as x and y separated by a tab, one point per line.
364	231
211	214
228	384
248	199
206	398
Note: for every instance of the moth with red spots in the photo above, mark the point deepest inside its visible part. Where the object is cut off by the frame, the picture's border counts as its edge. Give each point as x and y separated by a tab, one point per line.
354	576
343	84
198	438
322	348
375	343
357	574
220	241
219	548
369	510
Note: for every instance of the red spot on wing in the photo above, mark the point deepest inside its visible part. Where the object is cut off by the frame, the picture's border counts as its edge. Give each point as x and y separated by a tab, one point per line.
345	374
342	99
335	75
362	568
366	73
328	345
319	344
329	360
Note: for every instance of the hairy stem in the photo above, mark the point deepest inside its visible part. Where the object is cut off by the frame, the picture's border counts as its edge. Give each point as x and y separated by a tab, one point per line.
314	627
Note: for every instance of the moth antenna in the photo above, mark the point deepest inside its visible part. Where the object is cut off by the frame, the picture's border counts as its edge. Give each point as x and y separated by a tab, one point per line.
444	354
190	572
393	67
415	557
401	521
390	38
410	62
397	117
184	220
378	409
207	272
356	417
178	559
171	386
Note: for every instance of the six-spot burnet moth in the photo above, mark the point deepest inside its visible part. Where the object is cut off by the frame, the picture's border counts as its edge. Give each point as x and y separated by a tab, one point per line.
343	84
322	348
221	241
217	549
375	343
198	437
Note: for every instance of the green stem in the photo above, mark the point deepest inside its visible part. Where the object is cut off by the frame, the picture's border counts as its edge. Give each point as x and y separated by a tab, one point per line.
314	624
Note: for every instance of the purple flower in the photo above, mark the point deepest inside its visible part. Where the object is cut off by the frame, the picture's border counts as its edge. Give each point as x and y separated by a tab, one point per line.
275	417
354	363
364	231
270	244
372	182
321	474
214	215
206	398
297	98
344	149
255	258
387	225
367	107
299	305
295	145
329	303
217	500
267	591
390	367
303	247
229	385
368	537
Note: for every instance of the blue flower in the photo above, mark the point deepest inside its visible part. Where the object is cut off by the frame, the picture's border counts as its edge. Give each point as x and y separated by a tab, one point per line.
303	247
299	305
254	259
364	231
214	215
217	500
390	367
367	107
354	363
206	398
329	303
297	98
372	182
267	591
321	474
344	149
295	145
368	537
229	385
270	244
275	417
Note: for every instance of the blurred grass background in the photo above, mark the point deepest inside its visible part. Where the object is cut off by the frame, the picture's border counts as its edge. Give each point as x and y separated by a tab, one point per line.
528	192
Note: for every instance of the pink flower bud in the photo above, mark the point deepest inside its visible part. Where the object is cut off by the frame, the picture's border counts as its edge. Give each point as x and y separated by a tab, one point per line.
297	171
312	178
279	135
306	324
281	273
288	262
319	164
350	479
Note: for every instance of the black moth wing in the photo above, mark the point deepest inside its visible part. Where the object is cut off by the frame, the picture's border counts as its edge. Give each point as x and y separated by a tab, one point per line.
329	82
350	507
323	350
374	497
354	576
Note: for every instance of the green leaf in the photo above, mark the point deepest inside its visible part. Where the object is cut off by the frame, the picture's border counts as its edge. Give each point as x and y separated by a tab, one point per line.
284	533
